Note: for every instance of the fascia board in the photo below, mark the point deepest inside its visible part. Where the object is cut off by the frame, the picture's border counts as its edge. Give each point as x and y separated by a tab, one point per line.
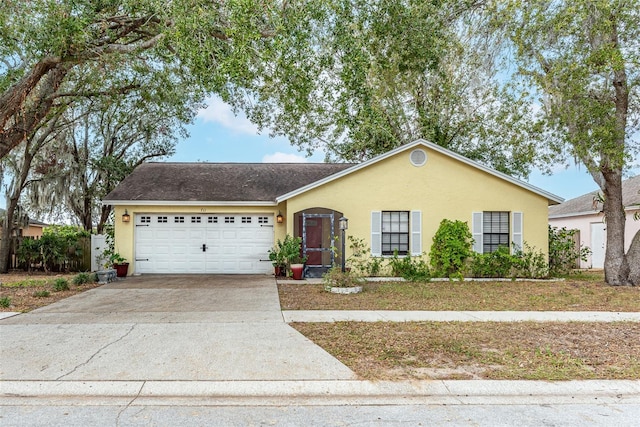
184	203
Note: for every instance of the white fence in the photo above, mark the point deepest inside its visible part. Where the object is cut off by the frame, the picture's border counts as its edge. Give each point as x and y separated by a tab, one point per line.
98	245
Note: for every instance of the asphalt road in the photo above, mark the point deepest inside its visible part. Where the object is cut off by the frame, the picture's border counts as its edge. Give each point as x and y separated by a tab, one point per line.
619	415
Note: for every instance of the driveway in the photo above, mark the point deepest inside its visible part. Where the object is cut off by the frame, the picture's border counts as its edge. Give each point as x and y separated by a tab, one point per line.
183	327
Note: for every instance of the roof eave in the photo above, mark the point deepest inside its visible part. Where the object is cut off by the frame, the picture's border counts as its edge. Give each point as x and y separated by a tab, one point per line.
186	203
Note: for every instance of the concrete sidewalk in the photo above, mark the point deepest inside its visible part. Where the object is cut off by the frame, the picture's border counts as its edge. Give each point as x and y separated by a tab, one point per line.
456	316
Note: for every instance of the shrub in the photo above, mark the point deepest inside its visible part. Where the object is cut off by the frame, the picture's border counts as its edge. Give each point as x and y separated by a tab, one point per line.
530	264
492	264
563	252
61	285
334	277
360	261
413	269
82	278
41	294
451	247
374	267
5	302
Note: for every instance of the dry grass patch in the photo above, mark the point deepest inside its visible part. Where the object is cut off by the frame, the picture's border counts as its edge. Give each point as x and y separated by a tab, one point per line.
584	293
25	292
518	351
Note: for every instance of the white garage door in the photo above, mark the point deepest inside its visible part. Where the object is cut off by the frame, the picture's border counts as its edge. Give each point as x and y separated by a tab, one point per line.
203	243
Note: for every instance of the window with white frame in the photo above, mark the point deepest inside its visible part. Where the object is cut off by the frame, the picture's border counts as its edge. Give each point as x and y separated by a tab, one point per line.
395	232
492	229
495	231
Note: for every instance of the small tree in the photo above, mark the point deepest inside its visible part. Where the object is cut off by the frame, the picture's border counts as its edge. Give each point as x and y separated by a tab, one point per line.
451	247
563	251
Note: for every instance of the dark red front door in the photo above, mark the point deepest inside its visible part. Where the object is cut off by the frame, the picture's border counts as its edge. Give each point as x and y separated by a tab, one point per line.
314	241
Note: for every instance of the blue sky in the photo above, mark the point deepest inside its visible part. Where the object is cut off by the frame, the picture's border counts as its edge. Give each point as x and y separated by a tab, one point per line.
219	136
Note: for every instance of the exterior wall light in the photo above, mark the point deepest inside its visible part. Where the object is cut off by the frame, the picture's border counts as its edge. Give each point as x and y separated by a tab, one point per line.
279	218
125	216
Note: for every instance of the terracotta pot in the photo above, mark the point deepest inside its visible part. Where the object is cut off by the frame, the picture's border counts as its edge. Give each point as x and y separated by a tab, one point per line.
121	269
296	270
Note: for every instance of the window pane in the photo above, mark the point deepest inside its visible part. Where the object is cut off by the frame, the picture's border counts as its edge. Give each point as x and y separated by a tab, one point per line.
395	232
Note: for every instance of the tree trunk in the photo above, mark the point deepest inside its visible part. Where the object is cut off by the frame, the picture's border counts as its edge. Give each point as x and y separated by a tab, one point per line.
104	216
616	267
633	257
7	233
30	113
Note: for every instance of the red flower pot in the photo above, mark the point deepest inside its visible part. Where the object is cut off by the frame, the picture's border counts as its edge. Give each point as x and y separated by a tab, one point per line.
296	271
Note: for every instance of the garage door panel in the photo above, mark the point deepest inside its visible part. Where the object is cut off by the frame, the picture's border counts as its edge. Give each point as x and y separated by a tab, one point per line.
172	243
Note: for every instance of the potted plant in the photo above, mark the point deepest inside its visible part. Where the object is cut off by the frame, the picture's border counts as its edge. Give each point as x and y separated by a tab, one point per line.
276	256
120	264
104	272
291	249
297	267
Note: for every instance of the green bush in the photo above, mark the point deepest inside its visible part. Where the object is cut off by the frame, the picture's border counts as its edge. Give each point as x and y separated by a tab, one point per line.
82	278
413	269
530	264
29	252
451	248
41	294
492	264
563	253
5	302
60	285
360	259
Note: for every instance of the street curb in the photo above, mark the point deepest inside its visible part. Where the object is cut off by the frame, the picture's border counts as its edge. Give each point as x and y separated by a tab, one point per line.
453	392
456	316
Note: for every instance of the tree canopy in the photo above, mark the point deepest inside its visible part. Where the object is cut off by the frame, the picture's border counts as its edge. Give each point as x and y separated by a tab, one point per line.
581	60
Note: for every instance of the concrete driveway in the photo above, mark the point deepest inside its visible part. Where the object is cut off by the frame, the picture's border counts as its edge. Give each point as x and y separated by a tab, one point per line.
186	327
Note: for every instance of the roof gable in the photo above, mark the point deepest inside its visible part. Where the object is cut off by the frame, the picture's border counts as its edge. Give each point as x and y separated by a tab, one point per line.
552	198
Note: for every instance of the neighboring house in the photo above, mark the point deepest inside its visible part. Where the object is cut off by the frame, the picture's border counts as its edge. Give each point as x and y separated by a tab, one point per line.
224	217
34	229
584	214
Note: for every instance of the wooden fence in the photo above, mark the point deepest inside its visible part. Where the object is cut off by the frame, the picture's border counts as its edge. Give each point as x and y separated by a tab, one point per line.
77	258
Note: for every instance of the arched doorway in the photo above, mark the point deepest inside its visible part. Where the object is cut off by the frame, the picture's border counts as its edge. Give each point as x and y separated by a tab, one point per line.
318	228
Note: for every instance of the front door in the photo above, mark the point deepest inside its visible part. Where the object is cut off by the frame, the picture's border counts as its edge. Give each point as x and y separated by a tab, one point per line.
317	242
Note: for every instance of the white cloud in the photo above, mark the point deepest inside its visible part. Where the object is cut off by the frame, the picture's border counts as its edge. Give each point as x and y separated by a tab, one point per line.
279	157
217	111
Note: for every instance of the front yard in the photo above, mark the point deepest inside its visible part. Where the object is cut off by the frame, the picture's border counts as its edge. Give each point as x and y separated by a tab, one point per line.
456	350
22	292
579	293
485	350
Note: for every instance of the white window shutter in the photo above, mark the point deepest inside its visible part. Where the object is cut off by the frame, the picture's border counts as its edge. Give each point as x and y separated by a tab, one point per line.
516	231
416	233
476	231
376	233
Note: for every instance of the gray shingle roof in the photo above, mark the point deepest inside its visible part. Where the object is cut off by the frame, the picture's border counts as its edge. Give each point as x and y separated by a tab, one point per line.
584	203
223	182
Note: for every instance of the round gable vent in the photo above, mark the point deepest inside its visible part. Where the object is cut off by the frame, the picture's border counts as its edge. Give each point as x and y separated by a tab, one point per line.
418	157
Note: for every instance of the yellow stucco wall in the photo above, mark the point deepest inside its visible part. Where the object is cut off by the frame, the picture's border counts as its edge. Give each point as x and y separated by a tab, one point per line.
125	232
444	188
